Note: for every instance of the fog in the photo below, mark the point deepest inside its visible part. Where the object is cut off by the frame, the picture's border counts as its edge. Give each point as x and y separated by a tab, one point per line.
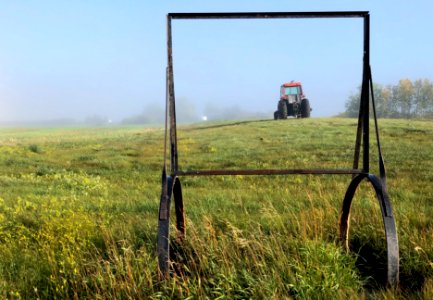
84	63
187	113
113	72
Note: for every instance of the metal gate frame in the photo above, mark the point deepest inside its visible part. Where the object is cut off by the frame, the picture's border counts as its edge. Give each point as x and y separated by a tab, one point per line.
171	183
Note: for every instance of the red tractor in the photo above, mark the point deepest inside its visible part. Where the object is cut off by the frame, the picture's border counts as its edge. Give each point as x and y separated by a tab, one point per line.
292	102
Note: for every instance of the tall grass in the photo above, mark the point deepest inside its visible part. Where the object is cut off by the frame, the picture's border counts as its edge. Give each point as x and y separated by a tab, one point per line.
79	207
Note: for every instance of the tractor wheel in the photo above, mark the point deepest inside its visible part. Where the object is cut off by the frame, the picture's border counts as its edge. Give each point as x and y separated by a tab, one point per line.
305	108
276	115
282	109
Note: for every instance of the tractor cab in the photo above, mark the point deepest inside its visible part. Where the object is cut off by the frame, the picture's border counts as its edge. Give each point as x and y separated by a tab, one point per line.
292	102
291	92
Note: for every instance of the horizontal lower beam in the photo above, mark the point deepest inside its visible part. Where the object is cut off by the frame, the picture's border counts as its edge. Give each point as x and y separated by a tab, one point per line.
268	172
270	15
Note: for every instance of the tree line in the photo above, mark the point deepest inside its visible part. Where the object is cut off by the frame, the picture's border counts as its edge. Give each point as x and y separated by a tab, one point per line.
407	99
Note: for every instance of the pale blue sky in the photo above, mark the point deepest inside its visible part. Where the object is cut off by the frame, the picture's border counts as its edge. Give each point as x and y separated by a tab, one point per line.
74	59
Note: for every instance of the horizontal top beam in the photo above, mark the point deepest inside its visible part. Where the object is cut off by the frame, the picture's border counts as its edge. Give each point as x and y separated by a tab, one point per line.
270	15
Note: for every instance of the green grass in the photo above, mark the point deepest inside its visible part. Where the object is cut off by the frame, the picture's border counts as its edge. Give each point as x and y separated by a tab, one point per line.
79	208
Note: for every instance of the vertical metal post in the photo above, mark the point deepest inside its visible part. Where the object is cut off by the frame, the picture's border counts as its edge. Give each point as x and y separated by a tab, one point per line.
172	106
365	99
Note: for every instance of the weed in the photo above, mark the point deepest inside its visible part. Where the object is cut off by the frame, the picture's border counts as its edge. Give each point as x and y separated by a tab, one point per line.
35	148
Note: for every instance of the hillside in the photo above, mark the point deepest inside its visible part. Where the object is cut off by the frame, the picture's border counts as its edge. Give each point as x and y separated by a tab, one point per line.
79	209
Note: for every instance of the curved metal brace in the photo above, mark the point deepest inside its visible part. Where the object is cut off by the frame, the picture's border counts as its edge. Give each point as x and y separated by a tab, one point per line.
169	187
388	221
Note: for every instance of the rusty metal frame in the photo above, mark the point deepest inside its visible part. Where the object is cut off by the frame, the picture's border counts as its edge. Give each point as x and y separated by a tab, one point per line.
171	185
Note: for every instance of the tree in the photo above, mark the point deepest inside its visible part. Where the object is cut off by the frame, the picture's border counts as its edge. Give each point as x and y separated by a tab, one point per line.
407	99
352	104
423	97
381	97
385	107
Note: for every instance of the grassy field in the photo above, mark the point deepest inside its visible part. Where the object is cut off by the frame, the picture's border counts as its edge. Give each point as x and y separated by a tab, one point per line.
79	209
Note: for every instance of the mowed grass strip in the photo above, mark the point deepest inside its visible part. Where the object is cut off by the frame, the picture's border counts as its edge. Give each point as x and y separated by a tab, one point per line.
79	208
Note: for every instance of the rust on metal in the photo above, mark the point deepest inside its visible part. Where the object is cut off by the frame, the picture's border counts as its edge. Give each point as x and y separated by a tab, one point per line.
269	172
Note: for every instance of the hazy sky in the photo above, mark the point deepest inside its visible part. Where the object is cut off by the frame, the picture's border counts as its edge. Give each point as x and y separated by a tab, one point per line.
74	59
